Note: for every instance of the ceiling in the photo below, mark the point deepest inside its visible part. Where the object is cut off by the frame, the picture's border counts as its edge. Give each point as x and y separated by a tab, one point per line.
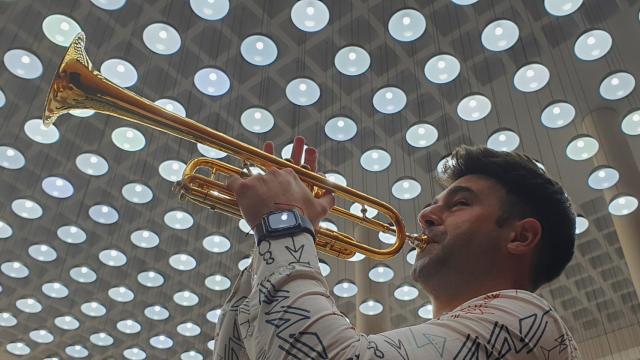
594	295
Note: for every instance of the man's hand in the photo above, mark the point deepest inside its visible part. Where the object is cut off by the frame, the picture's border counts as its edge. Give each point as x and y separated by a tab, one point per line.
281	189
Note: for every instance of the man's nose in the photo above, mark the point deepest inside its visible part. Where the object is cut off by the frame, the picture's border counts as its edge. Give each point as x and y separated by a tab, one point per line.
429	217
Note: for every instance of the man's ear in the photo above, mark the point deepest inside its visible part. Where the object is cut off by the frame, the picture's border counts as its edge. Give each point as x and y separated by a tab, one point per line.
526	236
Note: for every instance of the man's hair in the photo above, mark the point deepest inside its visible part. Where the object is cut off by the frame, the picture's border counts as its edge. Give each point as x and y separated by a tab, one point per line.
530	193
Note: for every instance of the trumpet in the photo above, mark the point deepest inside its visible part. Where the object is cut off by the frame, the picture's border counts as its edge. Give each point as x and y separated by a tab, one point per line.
77	86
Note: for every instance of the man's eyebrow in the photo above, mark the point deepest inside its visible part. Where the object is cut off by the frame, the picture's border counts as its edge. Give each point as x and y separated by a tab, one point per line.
451	192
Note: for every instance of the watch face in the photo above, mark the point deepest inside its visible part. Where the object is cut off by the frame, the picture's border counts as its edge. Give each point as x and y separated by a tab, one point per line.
282	220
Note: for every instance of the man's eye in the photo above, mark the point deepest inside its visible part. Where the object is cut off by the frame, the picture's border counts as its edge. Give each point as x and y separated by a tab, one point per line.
460	203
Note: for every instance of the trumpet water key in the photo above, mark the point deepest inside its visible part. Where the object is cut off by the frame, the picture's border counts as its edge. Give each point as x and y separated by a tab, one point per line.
76	86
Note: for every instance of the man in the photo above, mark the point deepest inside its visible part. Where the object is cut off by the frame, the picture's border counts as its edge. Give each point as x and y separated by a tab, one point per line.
500	230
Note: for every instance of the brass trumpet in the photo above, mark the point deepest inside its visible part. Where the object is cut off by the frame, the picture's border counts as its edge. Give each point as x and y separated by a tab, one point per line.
77	86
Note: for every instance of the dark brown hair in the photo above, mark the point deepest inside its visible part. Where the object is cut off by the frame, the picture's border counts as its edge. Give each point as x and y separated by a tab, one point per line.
531	193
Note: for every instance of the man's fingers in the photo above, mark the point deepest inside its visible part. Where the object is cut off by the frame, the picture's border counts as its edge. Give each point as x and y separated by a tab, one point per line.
298	148
328	200
311	158
233	182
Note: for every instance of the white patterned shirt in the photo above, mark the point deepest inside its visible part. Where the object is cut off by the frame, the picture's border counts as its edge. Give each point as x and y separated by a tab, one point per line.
281	309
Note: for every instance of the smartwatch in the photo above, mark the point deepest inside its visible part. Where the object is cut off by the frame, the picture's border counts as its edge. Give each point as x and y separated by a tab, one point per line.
281	223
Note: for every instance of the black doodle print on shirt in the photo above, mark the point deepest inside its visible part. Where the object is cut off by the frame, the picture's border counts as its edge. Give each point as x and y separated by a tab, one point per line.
398	346
562	343
376	351
296	252
501	341
264	250
234	346
296	344
437	342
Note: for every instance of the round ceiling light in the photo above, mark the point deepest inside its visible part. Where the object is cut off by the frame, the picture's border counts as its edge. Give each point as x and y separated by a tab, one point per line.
336	178
345	288
617	85
442	68
67	322
27	209
389	100
182	262
474	107
214	315
211	152
558	114
121	294
630	124
172	170
503	140
407	25
188	329
302	91
185	298
7	320
371	307
128	326
217	282
71	234
191	355
23	64
57	187
92	164
3	99
405	189
93	309
178	219
83	274
244	262
137	193
561	7
101	339
119	71
581	224
128	139
411	256
622	205
464	2
381	273
55	290
134	353
421	135
11	158
112	257
150	279
375	160
387	238
582	147
103	214
310	15
500	35
593	45
216	243
341	128
352	60
42	252
161	38
41	336
325	269
161	342
257	120
603	177
210	9
109	4
145	239
156	312
60	29
5	230
18	348
426	311
531	77
29	305
259	50
406	292
172	105
212	81
37	132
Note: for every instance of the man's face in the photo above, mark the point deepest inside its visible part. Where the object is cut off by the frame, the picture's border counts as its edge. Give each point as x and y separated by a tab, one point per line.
465	240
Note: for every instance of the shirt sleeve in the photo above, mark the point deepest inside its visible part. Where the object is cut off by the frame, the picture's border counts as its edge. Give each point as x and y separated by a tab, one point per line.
229	344
290	315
